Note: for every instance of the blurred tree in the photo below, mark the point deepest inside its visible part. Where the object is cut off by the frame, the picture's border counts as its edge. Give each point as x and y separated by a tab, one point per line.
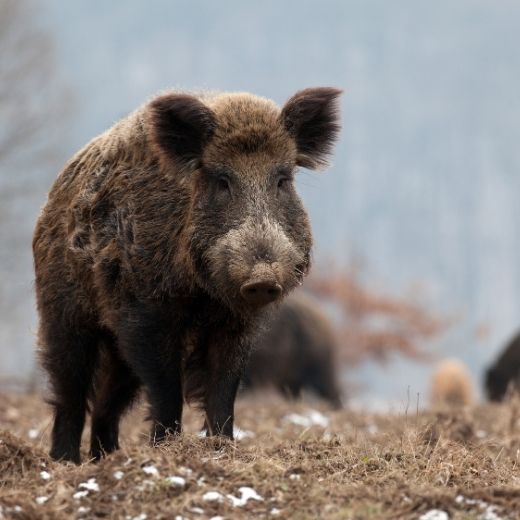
34	103
373	325
33	100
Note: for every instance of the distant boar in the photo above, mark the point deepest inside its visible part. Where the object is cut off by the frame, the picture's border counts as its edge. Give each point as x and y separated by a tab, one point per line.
451	384
296	352
160	246
505	371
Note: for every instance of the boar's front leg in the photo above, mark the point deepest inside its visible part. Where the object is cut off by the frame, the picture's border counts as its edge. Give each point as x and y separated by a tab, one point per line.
226	365
150	344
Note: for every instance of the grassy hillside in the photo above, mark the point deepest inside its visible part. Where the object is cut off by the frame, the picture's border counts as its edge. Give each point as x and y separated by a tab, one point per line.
291	461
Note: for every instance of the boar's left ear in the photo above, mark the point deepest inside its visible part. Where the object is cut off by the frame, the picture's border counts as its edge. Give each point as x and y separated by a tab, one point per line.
181	127
311	116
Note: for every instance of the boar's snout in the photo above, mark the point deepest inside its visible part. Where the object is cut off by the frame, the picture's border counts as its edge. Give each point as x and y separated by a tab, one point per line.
261	292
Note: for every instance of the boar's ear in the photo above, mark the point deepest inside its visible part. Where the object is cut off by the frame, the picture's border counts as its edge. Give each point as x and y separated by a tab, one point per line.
311	116
181	127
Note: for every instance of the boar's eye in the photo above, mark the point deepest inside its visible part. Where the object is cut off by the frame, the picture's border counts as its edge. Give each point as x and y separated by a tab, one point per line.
284	178
223	184
283	182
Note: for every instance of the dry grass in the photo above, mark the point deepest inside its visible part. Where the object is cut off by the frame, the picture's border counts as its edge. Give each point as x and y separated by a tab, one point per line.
360	465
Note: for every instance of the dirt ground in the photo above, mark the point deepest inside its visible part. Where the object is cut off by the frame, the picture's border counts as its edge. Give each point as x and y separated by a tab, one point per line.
290	461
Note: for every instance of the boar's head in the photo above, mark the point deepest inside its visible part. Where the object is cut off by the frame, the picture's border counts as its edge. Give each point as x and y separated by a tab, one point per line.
249	238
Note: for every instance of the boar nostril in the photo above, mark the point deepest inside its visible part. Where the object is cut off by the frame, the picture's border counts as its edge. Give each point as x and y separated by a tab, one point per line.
261	292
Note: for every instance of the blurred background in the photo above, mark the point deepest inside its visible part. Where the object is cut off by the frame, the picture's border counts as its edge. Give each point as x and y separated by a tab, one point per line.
419	213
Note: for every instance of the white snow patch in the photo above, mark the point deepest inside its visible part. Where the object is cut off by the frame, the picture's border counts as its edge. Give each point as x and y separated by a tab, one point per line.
45	475
217	518
372	429
246	494
213	496
197	510
176	481
41	500
295	476
33	433
118	475
80	494
434	514
83	509
488	510
308	419
90	485
275	511
185	471
239	434
151	470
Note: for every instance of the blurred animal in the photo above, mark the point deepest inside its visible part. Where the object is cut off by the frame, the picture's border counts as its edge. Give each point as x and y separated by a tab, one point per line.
161	243
451	384
505	371
296	352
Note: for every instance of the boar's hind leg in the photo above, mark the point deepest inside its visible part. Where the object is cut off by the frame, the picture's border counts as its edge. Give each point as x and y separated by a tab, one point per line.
69	356
117	389
150	344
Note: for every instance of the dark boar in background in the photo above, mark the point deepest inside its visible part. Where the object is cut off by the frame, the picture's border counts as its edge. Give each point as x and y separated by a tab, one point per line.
296	352
505	371
160	246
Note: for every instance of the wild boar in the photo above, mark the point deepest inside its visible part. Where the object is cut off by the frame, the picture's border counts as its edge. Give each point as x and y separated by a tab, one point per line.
161	245
451	384
505	371
296	352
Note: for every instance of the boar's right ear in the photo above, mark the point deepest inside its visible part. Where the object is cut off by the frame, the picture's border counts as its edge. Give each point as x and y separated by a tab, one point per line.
311	117
181	127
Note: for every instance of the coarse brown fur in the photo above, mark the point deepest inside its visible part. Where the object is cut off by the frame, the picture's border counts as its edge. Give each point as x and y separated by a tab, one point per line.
505	371
451	384
159	248
296	352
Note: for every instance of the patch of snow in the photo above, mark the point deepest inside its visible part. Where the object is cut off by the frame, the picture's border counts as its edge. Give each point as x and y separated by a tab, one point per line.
201	481
90	485
217	518
185	471
176	481
197	510
80	494
372	429
490	514
275	511
83	509
118	475
151	470
45	475
295	476
142	516
308	419
239	434
41	500
434	514
33	433
213	496
246	494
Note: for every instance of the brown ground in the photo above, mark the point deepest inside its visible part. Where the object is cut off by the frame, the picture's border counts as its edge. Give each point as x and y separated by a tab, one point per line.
360	465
